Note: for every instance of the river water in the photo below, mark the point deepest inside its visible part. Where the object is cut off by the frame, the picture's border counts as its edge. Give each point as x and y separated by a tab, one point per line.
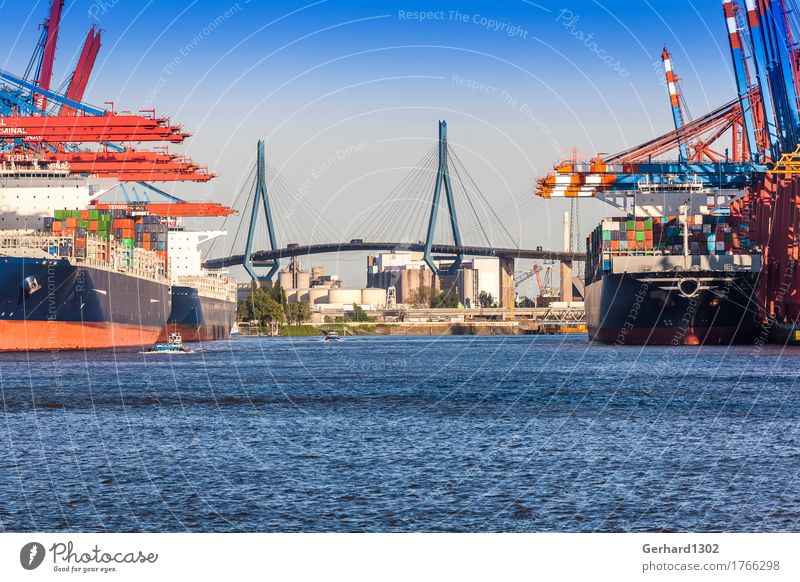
527	433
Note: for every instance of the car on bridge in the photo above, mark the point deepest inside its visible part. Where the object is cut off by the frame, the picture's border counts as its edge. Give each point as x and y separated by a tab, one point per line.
356	241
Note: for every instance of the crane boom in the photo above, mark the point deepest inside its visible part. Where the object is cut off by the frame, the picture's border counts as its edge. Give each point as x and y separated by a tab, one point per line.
177	209
49	54
80	77
674	99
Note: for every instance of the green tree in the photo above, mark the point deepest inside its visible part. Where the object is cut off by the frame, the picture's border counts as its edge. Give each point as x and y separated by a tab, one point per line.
299	312
526	302
303	311
448	299
359	314
421	297
272	311
278	294
259	305
486	300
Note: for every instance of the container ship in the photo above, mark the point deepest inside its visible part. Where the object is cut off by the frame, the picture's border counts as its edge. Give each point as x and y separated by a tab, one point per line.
683	280
98	275
78	278
75	272
203	302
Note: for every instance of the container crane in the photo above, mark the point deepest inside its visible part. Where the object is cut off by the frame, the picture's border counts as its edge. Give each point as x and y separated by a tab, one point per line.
45	74
675	96
33	135
80	77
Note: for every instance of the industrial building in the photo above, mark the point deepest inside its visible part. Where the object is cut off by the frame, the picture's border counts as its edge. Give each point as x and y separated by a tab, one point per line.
406	272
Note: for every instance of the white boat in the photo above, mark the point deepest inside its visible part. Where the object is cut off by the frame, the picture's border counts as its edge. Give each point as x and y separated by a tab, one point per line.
332	336
174	345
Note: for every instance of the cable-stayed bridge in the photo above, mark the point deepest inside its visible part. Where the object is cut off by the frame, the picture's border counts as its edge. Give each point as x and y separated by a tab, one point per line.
437	210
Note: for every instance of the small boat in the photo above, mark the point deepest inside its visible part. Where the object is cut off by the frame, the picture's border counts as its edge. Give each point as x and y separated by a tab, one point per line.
235	331
332	336
174	345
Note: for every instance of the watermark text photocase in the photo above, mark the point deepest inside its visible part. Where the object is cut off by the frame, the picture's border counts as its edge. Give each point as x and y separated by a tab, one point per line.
569	20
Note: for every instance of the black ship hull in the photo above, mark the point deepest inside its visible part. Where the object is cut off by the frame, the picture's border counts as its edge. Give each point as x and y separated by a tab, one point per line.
672	308
199	318
54	305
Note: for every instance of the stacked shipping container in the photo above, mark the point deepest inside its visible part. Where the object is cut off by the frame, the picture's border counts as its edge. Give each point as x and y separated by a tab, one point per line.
118	227
707	235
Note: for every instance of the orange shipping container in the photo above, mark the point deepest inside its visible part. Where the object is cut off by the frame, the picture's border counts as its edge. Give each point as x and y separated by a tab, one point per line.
84	215
93	225
72	223
56	226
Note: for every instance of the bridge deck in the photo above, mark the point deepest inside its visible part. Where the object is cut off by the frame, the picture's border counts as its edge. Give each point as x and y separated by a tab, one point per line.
265	257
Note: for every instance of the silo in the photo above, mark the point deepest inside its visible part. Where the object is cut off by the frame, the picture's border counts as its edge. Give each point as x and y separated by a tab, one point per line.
302	295
344	296
374	297
291	295
317	296
317	272
404	291
302	280
285	280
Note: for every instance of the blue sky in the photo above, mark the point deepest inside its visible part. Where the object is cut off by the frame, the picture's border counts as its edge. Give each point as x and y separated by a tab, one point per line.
518	82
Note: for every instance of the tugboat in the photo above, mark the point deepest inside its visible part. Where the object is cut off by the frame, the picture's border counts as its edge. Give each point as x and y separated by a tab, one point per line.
332	336
174	345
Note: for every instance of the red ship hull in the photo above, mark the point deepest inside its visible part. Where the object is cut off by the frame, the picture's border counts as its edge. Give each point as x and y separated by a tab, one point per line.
20	336
54	305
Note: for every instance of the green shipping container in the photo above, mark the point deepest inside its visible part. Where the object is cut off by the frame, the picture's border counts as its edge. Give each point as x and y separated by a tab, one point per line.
648	224
639	236
127	243
631	225
606	235
83	224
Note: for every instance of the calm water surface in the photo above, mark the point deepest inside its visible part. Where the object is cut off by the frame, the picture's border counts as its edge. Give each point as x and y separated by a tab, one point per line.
402	434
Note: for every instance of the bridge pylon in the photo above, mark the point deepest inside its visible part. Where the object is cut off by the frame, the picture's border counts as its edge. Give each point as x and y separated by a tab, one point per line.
260	198
443	181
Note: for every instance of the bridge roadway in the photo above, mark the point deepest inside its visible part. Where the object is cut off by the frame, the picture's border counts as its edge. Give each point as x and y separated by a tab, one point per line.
263	257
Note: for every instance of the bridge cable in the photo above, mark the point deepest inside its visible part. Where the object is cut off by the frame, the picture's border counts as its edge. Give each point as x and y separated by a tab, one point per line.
385	215
213	245
483	198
